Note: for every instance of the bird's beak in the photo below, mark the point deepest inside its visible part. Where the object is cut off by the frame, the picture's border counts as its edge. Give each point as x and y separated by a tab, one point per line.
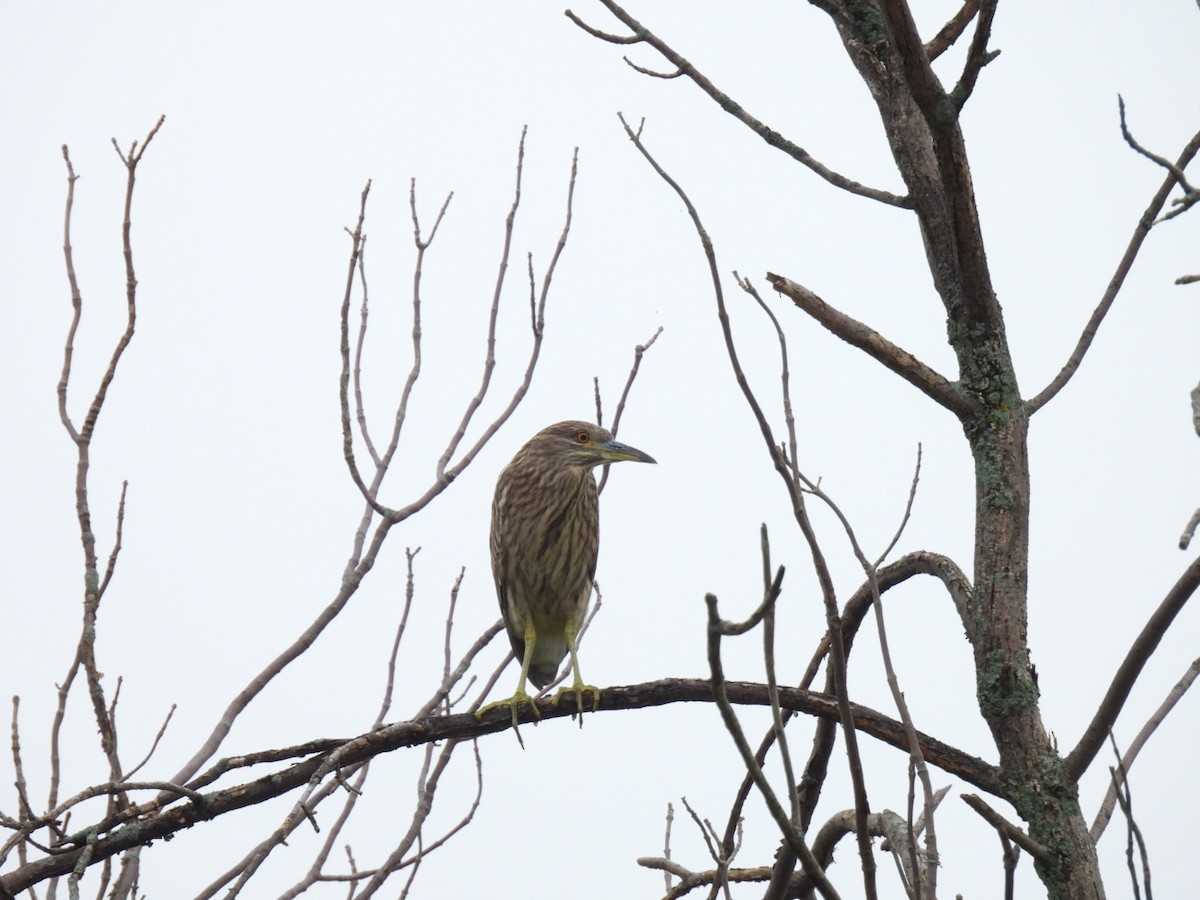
614	451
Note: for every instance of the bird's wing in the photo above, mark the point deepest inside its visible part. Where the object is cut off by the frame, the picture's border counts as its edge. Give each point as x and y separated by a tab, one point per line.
501	565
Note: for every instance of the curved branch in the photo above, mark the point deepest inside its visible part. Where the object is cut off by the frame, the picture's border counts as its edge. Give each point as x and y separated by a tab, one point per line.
926	379
643	35
853	613
1145	223
1135	660
1153	157
173	819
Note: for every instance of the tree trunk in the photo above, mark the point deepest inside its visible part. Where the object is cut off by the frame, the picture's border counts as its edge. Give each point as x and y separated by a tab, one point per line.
921	121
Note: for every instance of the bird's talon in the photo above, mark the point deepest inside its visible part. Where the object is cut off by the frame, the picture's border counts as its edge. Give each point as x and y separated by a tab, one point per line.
579	689
514	704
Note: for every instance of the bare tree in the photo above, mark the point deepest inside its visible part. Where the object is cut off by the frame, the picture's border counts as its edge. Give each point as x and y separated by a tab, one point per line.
921	120
101	831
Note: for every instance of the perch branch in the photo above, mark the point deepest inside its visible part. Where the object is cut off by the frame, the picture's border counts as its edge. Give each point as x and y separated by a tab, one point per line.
465	725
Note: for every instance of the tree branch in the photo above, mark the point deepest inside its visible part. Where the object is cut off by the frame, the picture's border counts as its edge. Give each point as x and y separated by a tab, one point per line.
641	34
1135	660
926	379
978	55
1171	167
952	30
1009	830
1131	753
465	725
1140	231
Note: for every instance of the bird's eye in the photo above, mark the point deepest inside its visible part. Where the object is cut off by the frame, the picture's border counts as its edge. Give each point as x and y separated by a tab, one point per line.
583	437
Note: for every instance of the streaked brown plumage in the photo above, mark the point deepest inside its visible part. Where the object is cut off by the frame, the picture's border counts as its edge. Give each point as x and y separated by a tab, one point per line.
544	541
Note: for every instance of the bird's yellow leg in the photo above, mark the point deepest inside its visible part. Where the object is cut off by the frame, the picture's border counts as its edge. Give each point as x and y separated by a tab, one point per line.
514	702
577	686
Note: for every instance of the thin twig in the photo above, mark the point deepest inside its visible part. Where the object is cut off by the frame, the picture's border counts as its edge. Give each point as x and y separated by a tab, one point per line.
116	548
357	247
908	507
153	744
785	754
1131	753
667	846
364	314
1125	797
24	808
666	76
76	300
638	352
1140	231
1174	168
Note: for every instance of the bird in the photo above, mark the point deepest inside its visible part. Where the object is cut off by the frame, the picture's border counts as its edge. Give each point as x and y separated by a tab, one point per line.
545	537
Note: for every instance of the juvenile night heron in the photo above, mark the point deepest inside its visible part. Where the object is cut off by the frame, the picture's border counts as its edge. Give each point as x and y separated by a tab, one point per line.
545	538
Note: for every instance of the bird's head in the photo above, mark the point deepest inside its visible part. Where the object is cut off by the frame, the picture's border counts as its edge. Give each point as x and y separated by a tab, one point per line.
583	445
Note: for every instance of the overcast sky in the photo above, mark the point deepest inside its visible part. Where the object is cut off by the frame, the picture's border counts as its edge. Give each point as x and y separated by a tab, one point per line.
224	419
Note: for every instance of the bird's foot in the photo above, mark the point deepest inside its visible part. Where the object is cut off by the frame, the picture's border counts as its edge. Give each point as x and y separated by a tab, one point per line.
514	704
579	689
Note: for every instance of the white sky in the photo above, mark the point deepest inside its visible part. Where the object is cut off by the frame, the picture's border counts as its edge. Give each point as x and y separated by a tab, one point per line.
224	417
